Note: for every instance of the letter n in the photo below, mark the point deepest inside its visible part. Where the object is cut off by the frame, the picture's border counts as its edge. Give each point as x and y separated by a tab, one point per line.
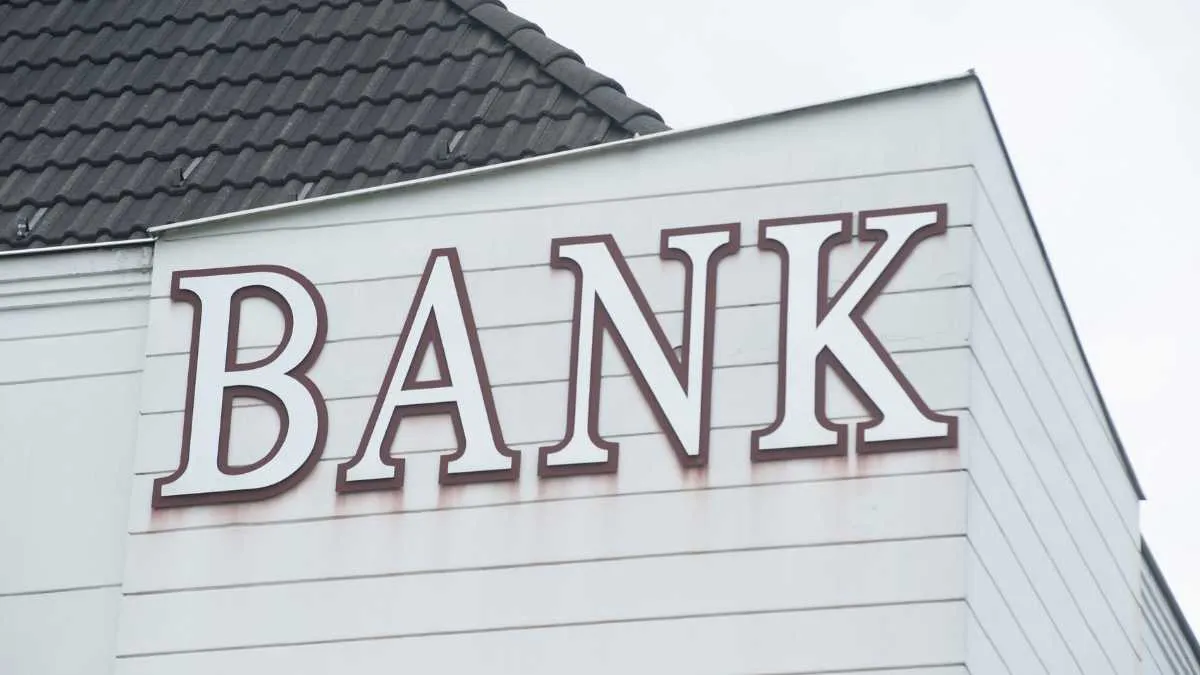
216	378
608	299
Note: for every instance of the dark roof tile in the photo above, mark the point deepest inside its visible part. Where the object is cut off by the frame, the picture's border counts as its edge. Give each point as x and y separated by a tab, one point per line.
541	49
118	115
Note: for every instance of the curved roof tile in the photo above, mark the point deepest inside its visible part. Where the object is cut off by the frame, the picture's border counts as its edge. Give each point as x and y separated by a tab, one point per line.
118	115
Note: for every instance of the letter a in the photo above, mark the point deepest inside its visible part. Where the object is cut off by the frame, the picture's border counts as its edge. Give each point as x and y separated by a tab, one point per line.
819	332
215	379
442	322
607	298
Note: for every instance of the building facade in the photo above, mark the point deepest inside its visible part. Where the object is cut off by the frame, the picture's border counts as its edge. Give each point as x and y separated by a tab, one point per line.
792	394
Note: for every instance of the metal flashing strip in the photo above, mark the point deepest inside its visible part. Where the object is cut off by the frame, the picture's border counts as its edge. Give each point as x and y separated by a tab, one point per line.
140	241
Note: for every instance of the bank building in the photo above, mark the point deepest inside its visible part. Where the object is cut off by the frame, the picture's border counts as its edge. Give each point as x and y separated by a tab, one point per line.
357	336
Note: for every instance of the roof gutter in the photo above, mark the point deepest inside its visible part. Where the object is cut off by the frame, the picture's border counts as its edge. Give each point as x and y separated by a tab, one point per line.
140	241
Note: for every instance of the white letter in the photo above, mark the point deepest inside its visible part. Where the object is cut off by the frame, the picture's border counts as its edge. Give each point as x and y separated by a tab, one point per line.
818	332
608	298
441	316
215	379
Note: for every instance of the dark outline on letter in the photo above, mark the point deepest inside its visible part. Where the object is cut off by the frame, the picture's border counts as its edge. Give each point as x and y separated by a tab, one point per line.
602	323
299	373
430	339
826	360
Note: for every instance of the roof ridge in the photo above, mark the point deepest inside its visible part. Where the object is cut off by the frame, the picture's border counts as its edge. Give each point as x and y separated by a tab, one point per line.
564	65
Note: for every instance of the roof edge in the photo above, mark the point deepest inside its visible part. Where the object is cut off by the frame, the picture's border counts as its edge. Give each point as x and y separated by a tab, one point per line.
564	65
611	146
1126	463
70	248
1172	603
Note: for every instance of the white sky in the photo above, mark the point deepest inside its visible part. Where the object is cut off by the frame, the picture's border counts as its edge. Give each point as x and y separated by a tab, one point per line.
1097	102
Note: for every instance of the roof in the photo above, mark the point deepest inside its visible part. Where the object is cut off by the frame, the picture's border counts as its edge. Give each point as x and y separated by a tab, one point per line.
120	115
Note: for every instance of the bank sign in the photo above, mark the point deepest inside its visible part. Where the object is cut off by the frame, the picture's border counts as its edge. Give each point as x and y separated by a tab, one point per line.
821	331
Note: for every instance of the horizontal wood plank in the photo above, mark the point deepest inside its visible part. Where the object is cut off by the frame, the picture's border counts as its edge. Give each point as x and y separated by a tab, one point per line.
767	580
66	633
826	641
866	509
65	481
1055	500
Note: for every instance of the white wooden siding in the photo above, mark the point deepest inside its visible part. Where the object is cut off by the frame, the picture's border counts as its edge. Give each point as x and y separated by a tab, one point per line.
1010	243
1069	436
918	635
1165	648
72	333
564	530
1032	592
983	658
68	632
1057	548
1052	514
481	598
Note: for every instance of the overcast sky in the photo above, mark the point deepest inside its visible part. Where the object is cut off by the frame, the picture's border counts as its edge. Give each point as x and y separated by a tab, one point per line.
1098	102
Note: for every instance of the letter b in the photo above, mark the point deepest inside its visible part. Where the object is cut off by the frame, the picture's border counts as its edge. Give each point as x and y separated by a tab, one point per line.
216	378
